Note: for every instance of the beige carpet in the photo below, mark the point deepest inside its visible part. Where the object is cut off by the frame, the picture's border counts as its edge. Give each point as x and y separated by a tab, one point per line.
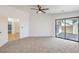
40	45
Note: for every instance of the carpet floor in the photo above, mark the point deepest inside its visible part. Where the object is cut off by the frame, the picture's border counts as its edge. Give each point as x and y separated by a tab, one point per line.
40	45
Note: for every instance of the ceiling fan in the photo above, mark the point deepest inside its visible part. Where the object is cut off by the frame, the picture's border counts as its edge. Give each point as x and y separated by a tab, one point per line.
40	9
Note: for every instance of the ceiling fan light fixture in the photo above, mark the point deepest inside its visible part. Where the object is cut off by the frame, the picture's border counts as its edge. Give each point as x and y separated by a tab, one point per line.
39	12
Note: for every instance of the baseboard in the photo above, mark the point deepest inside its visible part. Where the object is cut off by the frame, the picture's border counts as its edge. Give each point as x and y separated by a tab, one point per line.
41	36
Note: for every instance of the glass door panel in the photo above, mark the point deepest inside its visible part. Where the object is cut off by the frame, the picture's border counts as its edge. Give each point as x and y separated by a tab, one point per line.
75	29
60	28
72	29
69	29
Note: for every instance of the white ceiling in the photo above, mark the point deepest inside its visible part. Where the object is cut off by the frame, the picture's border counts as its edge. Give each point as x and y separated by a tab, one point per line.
53	9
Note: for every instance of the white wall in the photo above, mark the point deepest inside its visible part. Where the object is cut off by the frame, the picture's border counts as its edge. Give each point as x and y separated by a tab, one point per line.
40	24
63	15
12	12
3	30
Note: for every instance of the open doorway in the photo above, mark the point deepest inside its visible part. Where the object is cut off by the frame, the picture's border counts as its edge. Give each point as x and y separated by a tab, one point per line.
13	29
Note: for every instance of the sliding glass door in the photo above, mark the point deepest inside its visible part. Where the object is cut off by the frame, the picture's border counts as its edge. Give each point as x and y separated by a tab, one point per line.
67	28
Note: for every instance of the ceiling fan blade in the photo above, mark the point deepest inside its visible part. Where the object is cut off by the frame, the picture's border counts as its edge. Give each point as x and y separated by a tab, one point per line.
37	11
34	9
45	9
